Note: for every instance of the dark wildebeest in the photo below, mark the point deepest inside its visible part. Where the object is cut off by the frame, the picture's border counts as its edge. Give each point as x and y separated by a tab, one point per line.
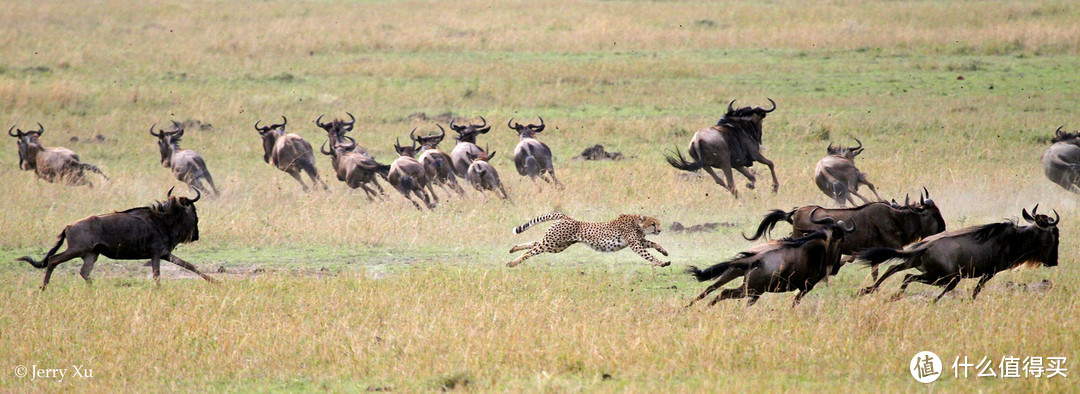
532	157
881	225
187	165
466	145
409	176
355	169
289	152
150	232
837	176
337	129
1061	162
439	167
734	143
781	266
482	175
973	252
51	164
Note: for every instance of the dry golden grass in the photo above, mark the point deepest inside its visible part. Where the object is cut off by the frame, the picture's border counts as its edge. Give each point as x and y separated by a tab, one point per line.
365	295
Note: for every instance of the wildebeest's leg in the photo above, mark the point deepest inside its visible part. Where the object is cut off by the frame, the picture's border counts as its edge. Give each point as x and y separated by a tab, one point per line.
921	278
527	245
889	272
87	265
730	181
761	159
640	249
155	265
728	294
749	175
856	193
558	185
729	275
654	245
420	193
55	261
753	299
209	180
188	266
979	286
708	169
949	286
296	175
800	295
862	178
504	195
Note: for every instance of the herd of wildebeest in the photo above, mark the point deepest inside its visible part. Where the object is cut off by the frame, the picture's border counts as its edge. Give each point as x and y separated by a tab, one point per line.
822	240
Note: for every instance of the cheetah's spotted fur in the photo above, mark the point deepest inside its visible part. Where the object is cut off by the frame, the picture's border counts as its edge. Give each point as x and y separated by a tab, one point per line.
626	230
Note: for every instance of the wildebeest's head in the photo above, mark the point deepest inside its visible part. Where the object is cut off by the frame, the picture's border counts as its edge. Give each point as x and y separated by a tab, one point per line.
468	133
428	142
757	113
527	131
1044	237
833	232
1060	135
337	128
929	215
168	141
181	212
845	151
28	145
270	135
409	151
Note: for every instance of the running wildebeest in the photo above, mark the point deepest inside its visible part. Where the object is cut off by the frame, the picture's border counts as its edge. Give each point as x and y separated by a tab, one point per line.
837	177
532	157
439	167
289	152
881	225
187	165
973	252
781	266
734	143
409	176
51	164
1061	162
466	145
150	232
482	175
337	129
356	169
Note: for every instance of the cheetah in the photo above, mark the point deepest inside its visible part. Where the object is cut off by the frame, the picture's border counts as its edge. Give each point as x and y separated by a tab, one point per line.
626	230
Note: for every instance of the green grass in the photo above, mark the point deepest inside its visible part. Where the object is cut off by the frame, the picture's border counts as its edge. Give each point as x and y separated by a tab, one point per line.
327	291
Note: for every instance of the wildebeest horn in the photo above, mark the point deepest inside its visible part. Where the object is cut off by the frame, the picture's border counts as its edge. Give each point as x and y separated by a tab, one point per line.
508	124
907	199
323	149
926	191
169	193
455	128
352	119
14	135
730	109
538	128
485	125
284	121
443	131
826	220
397	143
1056	219
411	136
318	123
1058	131
198	195
257	125
152	131
352	143
847	230
857	148
773	105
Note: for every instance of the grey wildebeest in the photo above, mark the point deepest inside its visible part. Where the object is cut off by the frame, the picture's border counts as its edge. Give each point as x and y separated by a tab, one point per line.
51	164
187	165
288	152
532	157
466	147
837	177
781	266
150	232
409	176
337	129
482	175
881	225
355	169
973	252
1061	162
734	143
438	164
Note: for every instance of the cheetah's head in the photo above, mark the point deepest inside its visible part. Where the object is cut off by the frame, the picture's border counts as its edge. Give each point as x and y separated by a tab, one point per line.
649	225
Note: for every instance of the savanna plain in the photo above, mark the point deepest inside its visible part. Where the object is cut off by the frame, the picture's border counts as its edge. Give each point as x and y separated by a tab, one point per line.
328	291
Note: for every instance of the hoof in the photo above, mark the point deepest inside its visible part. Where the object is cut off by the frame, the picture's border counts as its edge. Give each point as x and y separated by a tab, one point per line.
750	186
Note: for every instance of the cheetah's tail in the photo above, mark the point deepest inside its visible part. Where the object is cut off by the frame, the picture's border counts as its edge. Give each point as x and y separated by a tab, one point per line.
541	219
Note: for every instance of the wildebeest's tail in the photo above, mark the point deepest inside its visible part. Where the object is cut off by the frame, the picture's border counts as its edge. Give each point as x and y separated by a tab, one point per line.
680	162
874	257
406	184
93	168
769	222
44	261
541	219
718	269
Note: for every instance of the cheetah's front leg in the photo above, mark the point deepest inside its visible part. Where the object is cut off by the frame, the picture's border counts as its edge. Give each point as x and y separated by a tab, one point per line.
654	245
640	249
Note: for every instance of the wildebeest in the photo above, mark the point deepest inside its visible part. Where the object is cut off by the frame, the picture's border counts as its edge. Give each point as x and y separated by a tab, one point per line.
482	175
837	177
409	176
355	169
51	164
439	167
337	129
466	145
880	224
532	157
781	266
973	252
150	232
1061	162
288	152
734	143
187	165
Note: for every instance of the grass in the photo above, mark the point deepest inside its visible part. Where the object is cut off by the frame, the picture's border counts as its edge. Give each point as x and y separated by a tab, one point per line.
326	291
